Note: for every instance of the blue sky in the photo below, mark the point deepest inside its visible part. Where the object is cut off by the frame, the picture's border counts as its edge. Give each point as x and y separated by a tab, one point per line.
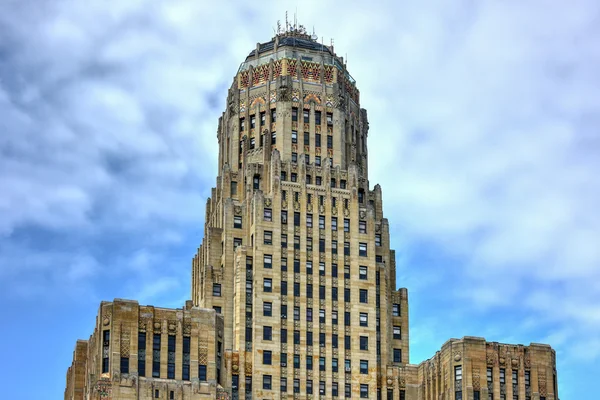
484	122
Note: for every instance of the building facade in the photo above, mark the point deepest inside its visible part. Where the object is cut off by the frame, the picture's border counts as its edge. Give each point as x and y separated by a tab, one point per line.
295	279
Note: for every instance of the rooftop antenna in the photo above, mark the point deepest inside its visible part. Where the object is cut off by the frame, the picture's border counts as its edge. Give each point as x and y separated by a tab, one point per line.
278	27
286	22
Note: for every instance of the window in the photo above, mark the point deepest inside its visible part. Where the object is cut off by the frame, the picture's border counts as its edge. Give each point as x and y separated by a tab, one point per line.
309	290
364	366
378	240
309	383
362	227
342	181
267	357
364	391
333	182
252	121
268	214
267	285
347	295
273	115
305	116
397	333
202	373
283	335
296	289
294	114
283	385
307	158
395	310
294	176
334	272
268	237
308	182
284	310
267	309
296	242
236	243
294	160
318	161
362	272
217	309
267	333
321	339
515	377
321	245
363	296
364	343
361	196
242	124
317	140
348	390
217	289
318	181
284	264
296	385
142	353
334	389
309	338
309	314
233	188
322	387
527	378
321	222
502	375
347	341
294	136
346	272
397	355
346	225
284	241
273	137
346	318
296	362
458	378
364	319
309	363
309	220
334	292
317	117
476	395
334	247
296	219
334	337
322	316
124	365
284	217
309	269
346	248
321	363
362	249
256	179
237	222
296	313
334	317
267	382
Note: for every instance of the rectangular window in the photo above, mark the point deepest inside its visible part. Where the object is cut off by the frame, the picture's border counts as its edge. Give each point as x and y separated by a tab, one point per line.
321	292
283	384
334	389
296	361
294	160
267	382
321	222
502	375
362	249
378	240
309	384
346	272
284	241
318	140
283	335
307	159
202	373
297	382
296	313
364	319
142	353
268	285
156	355
318	161
309	290
237	222
252	121
342	183
364	366
268	214
321	245
294	113
527	378
293	175
363	296
476	395
362	272
294	136
305	116
124	365
268	236
309	314
346	248
284	217
321	363
309	220
515	377
185	370
322	339
347	295
364	343
267	309
273	137
233	188
296	219
348	390
334	247
322	316
306	139
171	357
296	289
267	333
346	225
397	333
267	357
309	363
397	355
334	337
296	242
242	124
334	317
395	310
364	391
317	117
284	311
362	227
309	338
273	115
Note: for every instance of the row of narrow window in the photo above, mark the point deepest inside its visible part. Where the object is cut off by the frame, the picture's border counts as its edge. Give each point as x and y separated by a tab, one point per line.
305	115
490	384
283	387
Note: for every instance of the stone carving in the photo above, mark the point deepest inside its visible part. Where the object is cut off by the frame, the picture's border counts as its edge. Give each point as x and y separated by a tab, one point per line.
237	210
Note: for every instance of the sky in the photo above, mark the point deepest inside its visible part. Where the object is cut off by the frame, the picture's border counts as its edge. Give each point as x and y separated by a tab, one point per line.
484	134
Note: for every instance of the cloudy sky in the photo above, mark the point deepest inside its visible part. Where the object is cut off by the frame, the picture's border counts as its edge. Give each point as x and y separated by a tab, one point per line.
484	121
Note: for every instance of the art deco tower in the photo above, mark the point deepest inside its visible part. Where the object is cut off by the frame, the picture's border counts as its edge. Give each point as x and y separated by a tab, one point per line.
294	292
296	252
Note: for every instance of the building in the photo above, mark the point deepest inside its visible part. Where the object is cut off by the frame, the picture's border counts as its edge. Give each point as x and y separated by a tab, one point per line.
294	291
